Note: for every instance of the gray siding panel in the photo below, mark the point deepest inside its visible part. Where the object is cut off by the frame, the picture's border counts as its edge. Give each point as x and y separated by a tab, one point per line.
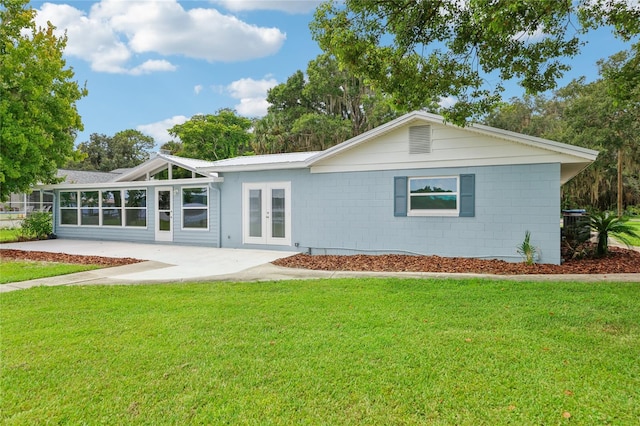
353	212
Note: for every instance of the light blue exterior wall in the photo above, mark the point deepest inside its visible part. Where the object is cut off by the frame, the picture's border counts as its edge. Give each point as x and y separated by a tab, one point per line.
147	234
353	212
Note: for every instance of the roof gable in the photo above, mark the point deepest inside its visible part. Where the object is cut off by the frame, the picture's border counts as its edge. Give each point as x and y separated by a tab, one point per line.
388	147
160	161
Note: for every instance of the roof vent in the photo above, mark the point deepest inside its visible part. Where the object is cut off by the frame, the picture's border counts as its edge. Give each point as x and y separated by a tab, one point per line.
420	139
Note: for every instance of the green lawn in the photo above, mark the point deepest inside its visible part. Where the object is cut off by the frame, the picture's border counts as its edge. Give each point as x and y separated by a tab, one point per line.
636	226
9	235
12	271
349	351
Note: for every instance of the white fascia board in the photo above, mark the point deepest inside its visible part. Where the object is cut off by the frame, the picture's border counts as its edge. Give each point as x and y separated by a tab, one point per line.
132	184
156	163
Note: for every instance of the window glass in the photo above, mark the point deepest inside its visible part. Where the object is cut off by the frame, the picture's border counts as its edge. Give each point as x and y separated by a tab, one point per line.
69	216
68	199
89	198
255	213
277	213
433	195
135	198
136	217
195	213
135	201
111	199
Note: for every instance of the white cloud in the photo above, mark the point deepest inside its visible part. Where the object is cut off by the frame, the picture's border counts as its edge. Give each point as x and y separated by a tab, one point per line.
197	89
113	31
152	66
447	102
288	6
159	129
252	95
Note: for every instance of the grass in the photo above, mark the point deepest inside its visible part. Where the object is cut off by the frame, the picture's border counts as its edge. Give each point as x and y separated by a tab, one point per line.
348	351
636	226
9	235
12	271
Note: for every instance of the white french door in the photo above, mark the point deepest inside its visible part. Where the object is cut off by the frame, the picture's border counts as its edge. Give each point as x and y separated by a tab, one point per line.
164	214
266	213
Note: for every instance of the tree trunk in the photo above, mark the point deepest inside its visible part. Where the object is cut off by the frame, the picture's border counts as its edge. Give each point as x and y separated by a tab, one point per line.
619	182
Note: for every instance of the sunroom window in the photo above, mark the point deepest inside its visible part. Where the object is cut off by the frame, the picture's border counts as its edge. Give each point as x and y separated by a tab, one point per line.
433	196
195	208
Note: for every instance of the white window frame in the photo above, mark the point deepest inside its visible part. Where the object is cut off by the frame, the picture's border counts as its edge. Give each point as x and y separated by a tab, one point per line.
183	208
101	208
145	208
433	212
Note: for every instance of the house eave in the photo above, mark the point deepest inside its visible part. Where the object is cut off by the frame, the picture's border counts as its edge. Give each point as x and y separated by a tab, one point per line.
132	184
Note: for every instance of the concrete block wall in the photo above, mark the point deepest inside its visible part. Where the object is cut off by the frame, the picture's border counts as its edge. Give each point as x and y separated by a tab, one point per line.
353	212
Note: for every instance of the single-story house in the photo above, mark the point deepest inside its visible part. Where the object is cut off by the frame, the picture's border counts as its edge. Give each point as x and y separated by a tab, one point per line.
413	185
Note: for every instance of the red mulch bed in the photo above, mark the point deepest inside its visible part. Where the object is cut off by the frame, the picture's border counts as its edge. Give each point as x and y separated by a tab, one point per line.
619	261
44	256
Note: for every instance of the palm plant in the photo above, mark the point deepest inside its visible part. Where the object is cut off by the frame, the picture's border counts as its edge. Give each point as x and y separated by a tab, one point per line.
527	250
605	224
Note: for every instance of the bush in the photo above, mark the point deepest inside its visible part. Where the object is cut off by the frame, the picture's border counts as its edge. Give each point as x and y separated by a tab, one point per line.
605	224
38	225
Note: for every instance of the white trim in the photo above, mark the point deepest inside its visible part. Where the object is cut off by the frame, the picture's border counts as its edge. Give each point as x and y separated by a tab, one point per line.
132	184
266	236
123	209
182	208
161	235
433	212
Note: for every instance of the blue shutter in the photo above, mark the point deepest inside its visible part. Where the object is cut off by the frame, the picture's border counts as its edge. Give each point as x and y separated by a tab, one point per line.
467	195
400	196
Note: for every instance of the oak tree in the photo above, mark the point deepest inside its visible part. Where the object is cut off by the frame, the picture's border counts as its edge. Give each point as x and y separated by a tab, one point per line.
38	114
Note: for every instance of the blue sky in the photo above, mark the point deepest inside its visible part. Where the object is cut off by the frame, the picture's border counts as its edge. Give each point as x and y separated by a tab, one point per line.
150	64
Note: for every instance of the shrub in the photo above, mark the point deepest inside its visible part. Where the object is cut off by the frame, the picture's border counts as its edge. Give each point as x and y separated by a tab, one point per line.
37	225
527	250
607	223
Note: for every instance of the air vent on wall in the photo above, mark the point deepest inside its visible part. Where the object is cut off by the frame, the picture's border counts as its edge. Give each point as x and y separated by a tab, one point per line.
420	139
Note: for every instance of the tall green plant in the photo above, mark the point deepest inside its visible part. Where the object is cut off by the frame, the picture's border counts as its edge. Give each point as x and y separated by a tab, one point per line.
527	250
606	224
37	225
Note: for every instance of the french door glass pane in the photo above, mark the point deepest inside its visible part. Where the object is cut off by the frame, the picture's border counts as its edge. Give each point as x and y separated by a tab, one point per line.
277	213
255	213
164	200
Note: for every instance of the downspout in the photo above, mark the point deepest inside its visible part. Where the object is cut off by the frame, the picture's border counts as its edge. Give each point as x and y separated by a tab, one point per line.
218	199
53	209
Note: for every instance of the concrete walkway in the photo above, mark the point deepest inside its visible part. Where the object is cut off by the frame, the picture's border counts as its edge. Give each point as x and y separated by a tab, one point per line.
164	263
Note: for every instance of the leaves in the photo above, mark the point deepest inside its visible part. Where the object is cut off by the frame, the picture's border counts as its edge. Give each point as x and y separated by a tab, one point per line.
214	137
38	97
421	51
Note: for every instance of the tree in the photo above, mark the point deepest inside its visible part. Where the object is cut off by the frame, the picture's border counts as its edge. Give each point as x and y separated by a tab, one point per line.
605	224
328	107
38	115
214	137
427	50
127	148
605	115
602	115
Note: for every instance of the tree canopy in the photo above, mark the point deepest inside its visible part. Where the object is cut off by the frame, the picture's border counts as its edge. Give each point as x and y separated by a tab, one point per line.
125	149
213	136
38	115
327	107
602	115
421	51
